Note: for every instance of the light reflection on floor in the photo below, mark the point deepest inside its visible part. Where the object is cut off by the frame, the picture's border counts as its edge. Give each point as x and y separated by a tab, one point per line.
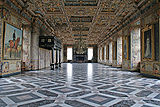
80	85
69	73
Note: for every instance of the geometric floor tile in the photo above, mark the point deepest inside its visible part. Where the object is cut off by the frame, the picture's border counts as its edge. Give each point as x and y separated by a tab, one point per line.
113	94
143	93
14	92
4	84
2	103
47	93
98	99
146	106
37	103
65	89
130	86
77	94
43	83
8	88
79	86
124	103
124	90
28	85
57	106
92	84
23	97
106	86
75	103
155	102
155	86
157	97
53	86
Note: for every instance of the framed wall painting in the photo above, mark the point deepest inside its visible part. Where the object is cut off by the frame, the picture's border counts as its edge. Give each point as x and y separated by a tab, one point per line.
12	40
148	43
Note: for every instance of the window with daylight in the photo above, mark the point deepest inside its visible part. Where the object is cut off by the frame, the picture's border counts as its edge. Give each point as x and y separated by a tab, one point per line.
90	53
69	53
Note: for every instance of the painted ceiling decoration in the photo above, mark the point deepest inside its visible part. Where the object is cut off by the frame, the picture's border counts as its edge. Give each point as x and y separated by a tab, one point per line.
79	35
98	17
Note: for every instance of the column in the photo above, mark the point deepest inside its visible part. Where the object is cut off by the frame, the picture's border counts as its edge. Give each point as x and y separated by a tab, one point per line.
1	42
35	48
110	53
26	60
119	51
135	48
105	54
100	54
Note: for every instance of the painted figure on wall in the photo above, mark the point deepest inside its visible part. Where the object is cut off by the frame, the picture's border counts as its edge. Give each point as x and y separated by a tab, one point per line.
12	42
147	44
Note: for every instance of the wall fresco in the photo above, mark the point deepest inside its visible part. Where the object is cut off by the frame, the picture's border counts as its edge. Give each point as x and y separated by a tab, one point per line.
10	67
12	42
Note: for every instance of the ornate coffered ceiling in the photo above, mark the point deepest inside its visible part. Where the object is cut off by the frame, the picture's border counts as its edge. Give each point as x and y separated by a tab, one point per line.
92	19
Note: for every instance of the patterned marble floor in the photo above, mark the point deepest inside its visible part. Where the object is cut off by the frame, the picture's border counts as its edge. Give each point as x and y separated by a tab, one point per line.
80	85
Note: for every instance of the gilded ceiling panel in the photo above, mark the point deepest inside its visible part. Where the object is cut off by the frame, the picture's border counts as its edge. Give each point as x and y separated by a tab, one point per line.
94	18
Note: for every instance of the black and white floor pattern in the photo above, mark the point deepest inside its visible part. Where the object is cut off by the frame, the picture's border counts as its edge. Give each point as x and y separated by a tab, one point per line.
80	85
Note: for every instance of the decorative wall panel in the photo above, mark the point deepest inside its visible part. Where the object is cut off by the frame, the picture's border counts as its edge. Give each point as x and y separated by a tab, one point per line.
35	48
110	53
27	47
135	48
126	64
119	51
129	47
54	56
48	57
150	64
125	48
0	45
10	67
42	55
156	41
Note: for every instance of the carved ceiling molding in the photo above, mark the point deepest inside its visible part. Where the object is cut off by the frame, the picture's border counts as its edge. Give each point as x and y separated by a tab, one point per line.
100	18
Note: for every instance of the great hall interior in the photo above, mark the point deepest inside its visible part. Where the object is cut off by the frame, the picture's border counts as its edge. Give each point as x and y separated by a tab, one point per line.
79	53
